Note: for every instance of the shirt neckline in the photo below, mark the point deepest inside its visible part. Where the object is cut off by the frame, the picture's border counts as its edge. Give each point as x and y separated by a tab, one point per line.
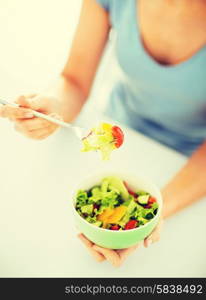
149	57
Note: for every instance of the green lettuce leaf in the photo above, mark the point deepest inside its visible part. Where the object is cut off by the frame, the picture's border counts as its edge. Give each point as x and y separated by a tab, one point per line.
82	198
99	140
87	209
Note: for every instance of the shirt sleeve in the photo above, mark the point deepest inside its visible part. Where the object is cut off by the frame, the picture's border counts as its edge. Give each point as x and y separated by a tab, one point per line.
104	4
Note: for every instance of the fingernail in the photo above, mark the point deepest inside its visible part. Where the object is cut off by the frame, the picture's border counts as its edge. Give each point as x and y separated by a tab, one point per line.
29	115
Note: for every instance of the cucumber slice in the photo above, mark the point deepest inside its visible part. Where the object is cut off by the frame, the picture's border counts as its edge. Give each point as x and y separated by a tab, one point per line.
97	223
143	199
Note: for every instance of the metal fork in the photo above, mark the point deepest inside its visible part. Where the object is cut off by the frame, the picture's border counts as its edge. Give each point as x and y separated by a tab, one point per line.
79	131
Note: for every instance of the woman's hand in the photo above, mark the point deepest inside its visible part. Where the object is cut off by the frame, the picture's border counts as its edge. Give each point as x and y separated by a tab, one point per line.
117	257
26	122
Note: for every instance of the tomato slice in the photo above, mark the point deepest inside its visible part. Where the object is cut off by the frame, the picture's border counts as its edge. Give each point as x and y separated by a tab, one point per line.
118	136
131	224
152	200
114	227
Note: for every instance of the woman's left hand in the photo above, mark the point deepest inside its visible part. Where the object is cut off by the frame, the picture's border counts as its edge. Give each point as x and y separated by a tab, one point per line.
117	257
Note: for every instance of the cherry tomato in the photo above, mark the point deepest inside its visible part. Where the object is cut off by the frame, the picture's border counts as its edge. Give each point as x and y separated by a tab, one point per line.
152	200
114	227
131	224
118	136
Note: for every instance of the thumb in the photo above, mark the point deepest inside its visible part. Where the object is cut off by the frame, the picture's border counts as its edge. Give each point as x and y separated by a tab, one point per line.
155	235
41	104
34	103
23	102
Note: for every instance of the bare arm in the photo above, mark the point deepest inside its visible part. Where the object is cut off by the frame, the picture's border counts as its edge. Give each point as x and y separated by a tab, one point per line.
78	74
188	186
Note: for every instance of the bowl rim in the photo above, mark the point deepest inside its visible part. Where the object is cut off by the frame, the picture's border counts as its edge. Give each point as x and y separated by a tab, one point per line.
159	200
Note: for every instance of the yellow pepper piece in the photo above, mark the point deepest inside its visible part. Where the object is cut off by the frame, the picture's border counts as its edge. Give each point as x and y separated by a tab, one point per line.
118	213
106	126
105	215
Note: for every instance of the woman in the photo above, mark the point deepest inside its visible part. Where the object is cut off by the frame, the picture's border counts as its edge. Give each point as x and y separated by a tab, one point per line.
161	50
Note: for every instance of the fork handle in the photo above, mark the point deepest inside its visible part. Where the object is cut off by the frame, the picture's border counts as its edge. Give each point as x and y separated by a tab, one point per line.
40	115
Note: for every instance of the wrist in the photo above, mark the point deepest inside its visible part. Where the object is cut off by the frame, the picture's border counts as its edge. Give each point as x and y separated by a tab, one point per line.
170	202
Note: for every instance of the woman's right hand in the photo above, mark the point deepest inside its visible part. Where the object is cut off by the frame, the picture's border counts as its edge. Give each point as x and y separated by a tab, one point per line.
26	122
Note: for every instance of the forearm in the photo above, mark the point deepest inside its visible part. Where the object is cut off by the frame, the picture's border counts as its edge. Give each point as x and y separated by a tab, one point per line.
188	186
69	96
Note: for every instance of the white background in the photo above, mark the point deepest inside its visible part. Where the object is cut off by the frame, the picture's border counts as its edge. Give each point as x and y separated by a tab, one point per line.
35	40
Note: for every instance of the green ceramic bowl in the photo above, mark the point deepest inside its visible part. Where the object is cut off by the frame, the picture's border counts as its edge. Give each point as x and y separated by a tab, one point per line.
116	239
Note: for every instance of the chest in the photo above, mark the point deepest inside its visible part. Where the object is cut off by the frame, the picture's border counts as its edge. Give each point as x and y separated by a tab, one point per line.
171	34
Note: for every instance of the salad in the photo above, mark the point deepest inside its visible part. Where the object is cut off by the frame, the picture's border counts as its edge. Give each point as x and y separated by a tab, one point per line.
114	206
104	138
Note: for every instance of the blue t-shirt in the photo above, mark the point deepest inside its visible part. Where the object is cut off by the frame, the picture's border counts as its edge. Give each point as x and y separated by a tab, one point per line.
166	103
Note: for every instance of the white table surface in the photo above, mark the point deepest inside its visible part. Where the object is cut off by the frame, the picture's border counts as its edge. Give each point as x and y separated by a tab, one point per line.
37	232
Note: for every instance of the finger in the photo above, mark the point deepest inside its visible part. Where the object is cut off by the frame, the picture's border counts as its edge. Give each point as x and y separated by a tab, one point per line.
84	240
109	254
34	124
41	135
1	110
96	255
39	104
30	102
124	253
154	236
15	112
39	123
38	134
23	102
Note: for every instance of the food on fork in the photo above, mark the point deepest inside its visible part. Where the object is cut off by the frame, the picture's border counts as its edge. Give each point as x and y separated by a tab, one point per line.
104	138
